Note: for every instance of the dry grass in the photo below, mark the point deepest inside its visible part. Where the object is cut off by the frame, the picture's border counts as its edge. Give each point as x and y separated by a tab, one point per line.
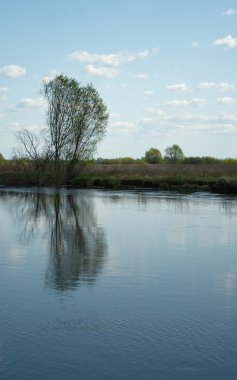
219	177
162	170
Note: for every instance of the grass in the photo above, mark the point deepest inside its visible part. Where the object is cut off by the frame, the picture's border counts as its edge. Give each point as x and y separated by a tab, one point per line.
219	178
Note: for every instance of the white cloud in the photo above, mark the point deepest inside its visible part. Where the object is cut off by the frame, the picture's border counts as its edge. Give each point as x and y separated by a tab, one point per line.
148	93
13	71
140	76
31	103
224	128
207	85
186	121
106	65
155	111
167	123
178	103
196	102
115	59
222	86
102	71
228	41
225	100
178	87
3	97
112	86
3	89
229	12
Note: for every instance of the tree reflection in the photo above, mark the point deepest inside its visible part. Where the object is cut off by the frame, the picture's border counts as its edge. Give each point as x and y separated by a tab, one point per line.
68	226
77	244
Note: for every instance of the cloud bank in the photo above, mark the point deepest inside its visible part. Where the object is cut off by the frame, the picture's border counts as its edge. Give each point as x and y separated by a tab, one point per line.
106	65
222	86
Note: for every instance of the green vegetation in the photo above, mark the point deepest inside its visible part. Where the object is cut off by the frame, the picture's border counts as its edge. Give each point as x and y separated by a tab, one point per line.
68	166
76	121
174	154
219	177
153	156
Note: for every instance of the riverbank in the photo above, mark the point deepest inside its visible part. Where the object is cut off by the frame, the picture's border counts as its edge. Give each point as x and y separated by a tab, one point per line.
222	186
220	178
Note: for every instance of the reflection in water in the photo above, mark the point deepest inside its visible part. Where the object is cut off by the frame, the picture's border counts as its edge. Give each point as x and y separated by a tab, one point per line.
179	202
164	305
75	242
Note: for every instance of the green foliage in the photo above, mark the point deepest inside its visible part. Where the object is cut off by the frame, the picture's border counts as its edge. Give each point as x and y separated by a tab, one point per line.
76	121
218	177
230	161
118	161
153	156
174	154
201	160
76	118
211	160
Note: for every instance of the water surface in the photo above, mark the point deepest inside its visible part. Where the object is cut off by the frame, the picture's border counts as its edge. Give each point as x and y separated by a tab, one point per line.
117	285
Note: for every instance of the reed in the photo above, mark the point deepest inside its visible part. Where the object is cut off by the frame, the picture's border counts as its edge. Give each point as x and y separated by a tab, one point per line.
219	177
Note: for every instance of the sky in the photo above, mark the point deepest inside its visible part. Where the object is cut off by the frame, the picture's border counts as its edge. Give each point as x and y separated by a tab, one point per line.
166	69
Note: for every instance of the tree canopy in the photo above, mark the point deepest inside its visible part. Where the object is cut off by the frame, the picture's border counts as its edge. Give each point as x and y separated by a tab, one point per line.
174	153
76	120
153	156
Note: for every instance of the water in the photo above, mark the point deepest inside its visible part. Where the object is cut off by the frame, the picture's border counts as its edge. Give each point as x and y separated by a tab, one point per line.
117	285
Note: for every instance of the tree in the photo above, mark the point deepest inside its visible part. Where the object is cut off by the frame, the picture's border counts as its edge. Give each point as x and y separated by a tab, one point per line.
174	153
153	156
76	121
33	160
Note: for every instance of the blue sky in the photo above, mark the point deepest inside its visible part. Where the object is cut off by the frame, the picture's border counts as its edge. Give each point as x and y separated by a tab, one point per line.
165	69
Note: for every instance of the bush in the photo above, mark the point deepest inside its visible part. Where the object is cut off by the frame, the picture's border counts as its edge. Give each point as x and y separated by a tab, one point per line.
153	156
174	154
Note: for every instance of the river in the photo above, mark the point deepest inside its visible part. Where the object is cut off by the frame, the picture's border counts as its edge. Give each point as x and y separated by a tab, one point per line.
117	285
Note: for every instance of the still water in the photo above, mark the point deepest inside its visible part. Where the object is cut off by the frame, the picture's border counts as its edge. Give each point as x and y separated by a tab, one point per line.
117	285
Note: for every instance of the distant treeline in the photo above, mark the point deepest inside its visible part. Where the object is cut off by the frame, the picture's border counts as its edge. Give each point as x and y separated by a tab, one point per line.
133	161
185	160
191	174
